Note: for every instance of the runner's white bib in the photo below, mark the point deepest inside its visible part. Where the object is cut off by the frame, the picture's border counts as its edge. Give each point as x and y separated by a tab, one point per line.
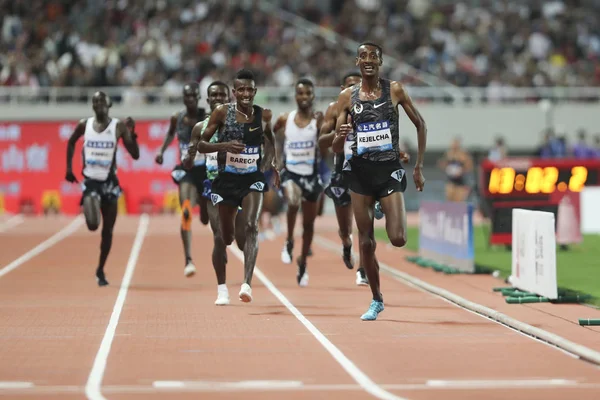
244	163
374	137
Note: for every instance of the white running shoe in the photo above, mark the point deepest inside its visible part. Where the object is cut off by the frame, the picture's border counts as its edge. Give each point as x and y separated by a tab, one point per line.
246	293
286	253
361	278
304	280
222	297
189	270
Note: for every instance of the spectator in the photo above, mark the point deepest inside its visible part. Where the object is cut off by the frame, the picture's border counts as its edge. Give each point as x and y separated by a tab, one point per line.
503	45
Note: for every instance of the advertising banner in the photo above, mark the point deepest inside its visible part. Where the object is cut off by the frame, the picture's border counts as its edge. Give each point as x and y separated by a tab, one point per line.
33	162
534	252
446	234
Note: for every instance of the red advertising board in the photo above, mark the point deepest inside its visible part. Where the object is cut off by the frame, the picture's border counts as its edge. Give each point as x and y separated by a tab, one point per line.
33	161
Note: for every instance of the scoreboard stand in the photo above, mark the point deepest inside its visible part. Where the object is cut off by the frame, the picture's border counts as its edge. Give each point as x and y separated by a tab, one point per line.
530	183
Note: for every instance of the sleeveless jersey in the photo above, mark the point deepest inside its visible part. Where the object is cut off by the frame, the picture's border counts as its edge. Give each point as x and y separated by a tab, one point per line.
250	134
99	151
375	124
184	136
300	146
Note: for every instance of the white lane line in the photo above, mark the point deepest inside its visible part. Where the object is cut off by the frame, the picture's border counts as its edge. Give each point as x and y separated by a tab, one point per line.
11	222
241	385
94	382
360	377
410	281
15	385
45	245
292	386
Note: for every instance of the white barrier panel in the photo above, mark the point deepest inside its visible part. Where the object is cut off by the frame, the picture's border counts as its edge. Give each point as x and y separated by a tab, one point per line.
590	212
534	252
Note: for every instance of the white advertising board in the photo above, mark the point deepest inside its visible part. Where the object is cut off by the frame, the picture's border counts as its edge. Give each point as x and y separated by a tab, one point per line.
534	252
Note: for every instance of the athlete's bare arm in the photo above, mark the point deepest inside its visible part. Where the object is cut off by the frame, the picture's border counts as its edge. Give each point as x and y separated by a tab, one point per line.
270	144
77	133
401	97
327	130
343	124
279	131
126	131
168	138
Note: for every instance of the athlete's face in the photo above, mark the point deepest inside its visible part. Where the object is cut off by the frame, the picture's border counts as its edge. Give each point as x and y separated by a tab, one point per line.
190	96
368	60
305	95
100	104
350	81
245	90
217	95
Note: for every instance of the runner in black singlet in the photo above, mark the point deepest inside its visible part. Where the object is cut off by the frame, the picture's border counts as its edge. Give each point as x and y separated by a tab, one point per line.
190	182
338	188
296	135
241	181
369	111
218	94
101	189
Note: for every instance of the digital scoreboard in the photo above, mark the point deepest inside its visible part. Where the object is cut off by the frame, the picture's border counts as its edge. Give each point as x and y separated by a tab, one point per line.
530	183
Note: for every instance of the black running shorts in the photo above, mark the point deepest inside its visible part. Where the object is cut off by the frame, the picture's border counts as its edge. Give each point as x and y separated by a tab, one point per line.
230	189
311	185
107	191
375	179
195	176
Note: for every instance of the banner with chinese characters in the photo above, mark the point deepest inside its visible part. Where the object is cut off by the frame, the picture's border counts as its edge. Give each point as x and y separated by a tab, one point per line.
33	161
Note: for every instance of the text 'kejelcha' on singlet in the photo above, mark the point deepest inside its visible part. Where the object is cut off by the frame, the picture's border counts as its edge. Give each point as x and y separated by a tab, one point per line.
99	150
300	146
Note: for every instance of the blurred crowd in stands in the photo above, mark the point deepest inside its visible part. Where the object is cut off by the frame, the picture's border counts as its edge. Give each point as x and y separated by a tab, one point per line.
497	44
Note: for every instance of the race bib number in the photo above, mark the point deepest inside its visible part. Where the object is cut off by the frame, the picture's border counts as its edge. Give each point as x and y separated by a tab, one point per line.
244	163
200	158
374	137
454	170
212	164
348	149
301	152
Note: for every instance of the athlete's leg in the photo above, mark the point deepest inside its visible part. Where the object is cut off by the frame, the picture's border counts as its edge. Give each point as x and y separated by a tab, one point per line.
309	214
321	204
251	206
293	196
187	198
109	217
91	211
344	219
363	214
240	230
219	255
203	204
227	215
395	218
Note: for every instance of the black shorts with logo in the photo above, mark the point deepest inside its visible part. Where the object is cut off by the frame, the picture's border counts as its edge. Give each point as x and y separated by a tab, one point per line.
338	192
107	191
230	189
375	179
311	185
196	176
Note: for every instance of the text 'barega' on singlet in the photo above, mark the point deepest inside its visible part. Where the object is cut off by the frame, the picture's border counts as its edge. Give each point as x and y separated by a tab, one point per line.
250	134
99	150
184	136
375	124
300	148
